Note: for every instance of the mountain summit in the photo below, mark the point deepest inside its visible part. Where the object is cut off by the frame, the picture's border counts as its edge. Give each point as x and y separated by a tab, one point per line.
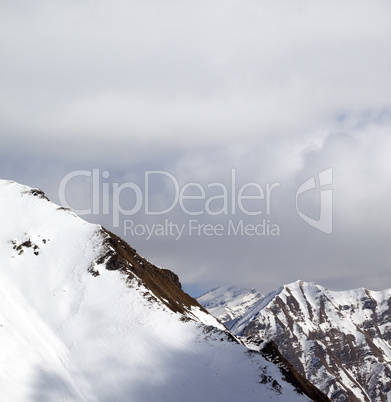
83	317
341	341
229	303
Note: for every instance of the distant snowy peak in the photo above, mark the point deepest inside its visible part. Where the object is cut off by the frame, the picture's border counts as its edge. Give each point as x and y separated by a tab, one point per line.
340	340
230	303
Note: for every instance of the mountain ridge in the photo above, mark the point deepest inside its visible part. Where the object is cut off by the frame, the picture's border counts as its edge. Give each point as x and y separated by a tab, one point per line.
341	340
83	317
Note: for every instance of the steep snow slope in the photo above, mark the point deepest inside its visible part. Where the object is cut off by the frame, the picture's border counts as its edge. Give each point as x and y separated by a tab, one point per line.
229	303
340	340
84	318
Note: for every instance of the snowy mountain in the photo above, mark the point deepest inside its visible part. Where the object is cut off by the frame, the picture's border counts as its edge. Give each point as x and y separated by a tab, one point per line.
341	341
83	317
229	303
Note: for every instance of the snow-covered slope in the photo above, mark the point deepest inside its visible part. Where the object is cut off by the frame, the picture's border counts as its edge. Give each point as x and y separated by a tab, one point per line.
340	340
229	303
84	318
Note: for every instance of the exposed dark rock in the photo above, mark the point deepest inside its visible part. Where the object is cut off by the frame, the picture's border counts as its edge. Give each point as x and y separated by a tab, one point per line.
163	283
302	385
36	192
344	363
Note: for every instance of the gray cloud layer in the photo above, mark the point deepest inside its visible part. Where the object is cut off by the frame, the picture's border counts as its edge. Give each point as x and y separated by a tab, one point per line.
278	91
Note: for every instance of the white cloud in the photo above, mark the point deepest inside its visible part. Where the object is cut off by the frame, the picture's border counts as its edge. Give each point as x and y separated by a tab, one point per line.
191	71
277	90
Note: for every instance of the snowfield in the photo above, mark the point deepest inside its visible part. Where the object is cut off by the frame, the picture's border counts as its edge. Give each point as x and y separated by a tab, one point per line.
68	335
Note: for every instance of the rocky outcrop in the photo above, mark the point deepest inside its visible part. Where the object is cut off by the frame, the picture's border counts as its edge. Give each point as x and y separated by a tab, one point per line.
339	340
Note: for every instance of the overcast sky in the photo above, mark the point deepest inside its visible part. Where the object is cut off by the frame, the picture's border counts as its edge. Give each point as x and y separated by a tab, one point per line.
272	92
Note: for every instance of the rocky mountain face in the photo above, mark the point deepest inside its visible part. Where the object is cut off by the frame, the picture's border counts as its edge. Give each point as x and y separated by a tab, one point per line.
83	317
341	341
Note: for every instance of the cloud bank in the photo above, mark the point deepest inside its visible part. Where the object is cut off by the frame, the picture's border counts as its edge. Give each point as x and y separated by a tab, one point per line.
278	91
